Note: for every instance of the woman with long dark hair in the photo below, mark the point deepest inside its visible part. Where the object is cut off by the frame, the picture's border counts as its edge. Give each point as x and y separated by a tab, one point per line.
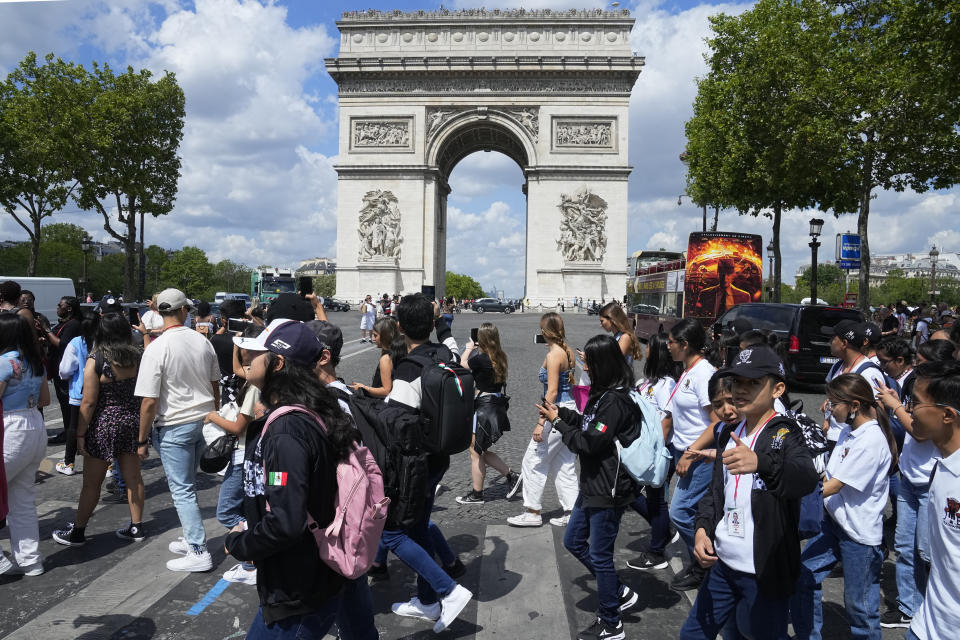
292	465
23	386
488	364
615	321
690	414
854	498
660	373
609	417
545	454
108	428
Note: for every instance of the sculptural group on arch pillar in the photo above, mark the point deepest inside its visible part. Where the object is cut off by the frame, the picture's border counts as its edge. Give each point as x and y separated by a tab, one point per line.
583	222
379	227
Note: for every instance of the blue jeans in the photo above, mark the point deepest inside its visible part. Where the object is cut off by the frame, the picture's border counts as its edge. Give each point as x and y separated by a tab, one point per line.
230	500
355	614
911	539
861	583
180	447
683	505
590	536
440	547
415	548
312	626
653	508
733	596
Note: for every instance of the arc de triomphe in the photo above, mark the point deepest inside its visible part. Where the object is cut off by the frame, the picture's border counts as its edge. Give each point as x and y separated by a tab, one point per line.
420	91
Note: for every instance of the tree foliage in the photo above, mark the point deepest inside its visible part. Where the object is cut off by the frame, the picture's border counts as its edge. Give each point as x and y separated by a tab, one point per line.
325	285
462	287
35	180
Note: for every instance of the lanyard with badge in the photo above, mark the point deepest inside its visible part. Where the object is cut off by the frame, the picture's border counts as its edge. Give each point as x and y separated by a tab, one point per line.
680	381
736	526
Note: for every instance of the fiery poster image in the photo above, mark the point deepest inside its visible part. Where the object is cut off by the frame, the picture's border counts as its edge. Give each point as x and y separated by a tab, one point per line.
723	269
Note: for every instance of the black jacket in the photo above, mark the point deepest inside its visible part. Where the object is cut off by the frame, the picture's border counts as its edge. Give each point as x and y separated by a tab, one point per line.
786	469
604	482
291	578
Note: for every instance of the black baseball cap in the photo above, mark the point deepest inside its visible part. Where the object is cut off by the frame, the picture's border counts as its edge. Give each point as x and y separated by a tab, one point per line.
329	335
874	333
849	330
109	304
290	306
755	362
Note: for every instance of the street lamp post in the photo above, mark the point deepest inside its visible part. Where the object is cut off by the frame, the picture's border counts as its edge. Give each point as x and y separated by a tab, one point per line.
680	202
85	248
770	249
934	256
816	226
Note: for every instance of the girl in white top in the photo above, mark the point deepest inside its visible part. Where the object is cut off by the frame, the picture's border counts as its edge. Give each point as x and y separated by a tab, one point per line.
661	377
689	415
854	497
368	316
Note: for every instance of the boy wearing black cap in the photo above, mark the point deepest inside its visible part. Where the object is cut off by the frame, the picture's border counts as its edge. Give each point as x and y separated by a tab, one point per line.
747	523
847	344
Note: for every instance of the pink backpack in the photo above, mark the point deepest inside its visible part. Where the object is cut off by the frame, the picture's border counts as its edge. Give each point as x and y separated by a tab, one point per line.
349	544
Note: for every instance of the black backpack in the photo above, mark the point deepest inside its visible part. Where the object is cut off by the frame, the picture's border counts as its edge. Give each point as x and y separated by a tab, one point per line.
394	444
447	403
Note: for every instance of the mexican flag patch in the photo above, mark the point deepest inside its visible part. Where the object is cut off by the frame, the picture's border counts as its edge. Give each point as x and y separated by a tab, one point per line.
277	478
602	428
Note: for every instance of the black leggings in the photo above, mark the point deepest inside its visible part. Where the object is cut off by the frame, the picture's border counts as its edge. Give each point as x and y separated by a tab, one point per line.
70	427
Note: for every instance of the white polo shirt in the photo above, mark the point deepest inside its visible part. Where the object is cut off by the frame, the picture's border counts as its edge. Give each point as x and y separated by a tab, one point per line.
939	615
861	461
687	403
658	393
917	458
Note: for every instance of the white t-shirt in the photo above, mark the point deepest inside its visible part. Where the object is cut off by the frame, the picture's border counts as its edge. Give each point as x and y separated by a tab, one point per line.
872	375
917	458
939	616
861	461
686	406
658	393
249	408
736	551
152	320
177	369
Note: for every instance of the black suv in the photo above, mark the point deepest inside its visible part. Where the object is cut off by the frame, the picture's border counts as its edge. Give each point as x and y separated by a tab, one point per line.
492	304
335	305
808	349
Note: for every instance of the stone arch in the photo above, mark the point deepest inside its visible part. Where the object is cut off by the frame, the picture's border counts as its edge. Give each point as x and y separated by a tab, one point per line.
420	91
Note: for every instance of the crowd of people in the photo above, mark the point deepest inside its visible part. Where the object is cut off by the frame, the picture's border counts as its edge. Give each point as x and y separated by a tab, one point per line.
755	476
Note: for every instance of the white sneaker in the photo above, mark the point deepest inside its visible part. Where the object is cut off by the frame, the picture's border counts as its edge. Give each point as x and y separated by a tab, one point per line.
65	469
561	521
452	605
35	569
241	575
179	547
416	609
525	519
192	562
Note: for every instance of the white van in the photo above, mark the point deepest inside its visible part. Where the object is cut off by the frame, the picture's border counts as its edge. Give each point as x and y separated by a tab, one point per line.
46	291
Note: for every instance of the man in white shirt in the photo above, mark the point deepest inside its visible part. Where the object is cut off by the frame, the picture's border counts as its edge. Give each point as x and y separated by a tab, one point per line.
848	345
935	406
179	383
151	322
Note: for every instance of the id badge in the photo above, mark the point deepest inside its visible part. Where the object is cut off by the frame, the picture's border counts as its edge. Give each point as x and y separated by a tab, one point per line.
735	525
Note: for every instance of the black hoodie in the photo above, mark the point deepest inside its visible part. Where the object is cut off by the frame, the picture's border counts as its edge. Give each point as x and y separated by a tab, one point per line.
786	470
613	415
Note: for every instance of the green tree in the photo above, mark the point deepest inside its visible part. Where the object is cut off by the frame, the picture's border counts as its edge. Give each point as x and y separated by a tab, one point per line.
325	285
156	257
462	287
231	277
35	181
189	270
125	158
756	140
106	274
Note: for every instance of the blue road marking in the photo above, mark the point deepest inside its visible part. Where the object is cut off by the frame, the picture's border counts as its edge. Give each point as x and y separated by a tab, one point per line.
208	599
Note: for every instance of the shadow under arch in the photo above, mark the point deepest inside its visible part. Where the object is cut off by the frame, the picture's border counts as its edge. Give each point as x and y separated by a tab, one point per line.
480	129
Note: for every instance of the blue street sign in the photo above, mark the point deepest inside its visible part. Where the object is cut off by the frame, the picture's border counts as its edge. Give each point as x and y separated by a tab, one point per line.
848	250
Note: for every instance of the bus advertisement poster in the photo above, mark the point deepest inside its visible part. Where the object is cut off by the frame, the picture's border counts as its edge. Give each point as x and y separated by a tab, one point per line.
723	269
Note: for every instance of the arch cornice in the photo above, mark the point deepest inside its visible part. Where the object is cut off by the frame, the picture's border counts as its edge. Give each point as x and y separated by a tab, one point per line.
459	123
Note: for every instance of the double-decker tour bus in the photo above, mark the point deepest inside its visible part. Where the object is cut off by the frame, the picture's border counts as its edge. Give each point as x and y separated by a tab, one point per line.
717	271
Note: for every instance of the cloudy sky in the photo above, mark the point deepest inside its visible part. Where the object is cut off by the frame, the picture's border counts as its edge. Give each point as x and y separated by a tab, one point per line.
261	132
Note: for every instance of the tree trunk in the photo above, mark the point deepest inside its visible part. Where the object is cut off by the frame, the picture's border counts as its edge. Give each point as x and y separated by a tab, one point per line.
863	296
35	249
777	211
716	217
130	258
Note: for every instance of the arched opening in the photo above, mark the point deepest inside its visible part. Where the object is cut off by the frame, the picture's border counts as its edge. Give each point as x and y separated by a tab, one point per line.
482	209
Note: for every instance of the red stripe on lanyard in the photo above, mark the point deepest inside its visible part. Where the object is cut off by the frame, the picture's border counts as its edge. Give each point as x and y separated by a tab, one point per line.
677	387
743	425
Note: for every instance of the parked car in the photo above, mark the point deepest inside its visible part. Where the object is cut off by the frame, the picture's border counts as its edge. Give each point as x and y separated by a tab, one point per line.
492	304
333	304
808	348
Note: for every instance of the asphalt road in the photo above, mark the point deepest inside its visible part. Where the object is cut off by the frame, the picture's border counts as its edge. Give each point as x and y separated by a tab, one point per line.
526	585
